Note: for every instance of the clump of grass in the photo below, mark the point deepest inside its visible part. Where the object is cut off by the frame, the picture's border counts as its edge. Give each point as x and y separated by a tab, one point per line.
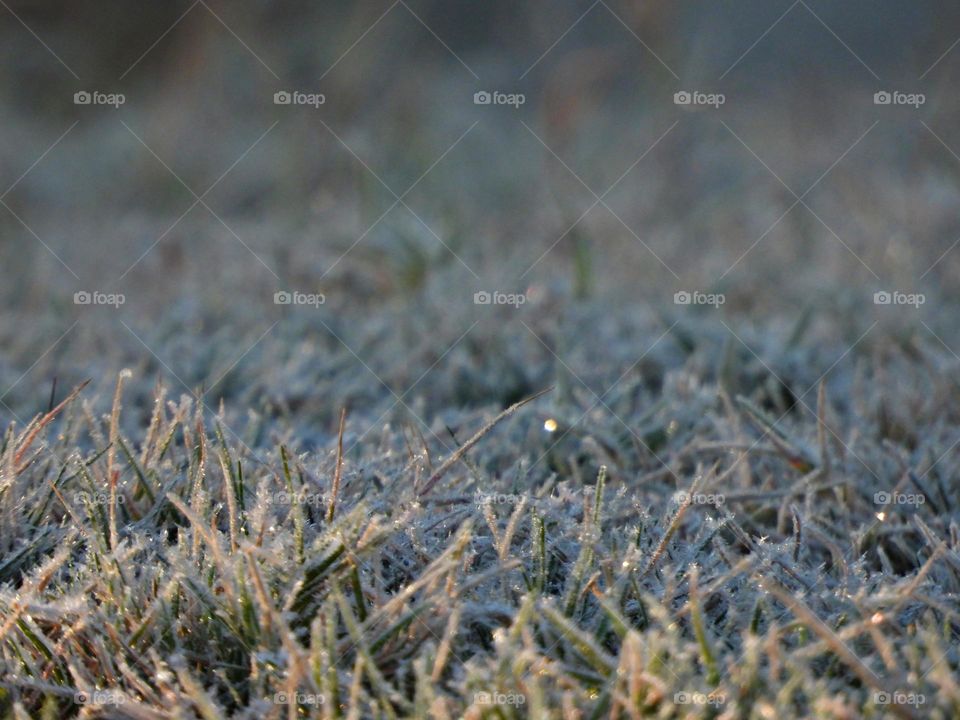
178	570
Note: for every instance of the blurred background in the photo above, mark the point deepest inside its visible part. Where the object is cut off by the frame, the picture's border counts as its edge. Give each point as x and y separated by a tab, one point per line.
587	186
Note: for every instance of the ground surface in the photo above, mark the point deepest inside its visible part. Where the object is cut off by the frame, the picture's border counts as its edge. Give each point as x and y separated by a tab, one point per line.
585	498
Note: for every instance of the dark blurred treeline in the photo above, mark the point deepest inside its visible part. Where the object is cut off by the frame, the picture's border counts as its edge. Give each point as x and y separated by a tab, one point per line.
299	40
199	78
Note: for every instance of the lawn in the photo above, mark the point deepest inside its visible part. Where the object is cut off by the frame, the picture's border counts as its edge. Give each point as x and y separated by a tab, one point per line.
347	372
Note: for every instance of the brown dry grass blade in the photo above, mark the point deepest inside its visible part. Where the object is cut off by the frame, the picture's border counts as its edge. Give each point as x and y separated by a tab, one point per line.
803	612
335	490
44	421
462	450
